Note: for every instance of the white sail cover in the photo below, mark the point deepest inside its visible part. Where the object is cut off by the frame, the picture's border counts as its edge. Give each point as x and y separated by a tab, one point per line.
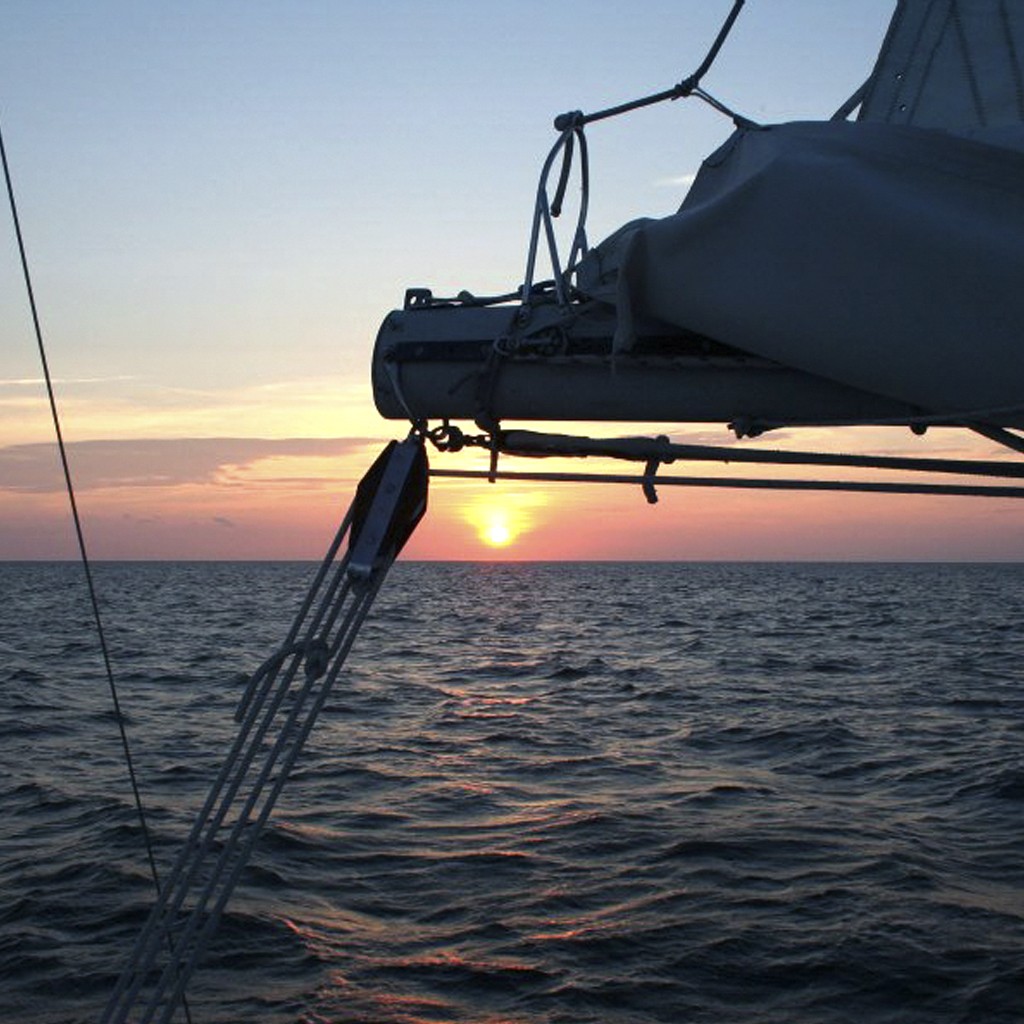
885	254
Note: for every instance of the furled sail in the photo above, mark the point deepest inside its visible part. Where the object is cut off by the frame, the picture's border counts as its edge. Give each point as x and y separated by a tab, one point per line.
833	271
883	254
885	257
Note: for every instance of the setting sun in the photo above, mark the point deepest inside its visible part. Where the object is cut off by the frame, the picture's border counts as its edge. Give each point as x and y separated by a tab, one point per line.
500	519
497	534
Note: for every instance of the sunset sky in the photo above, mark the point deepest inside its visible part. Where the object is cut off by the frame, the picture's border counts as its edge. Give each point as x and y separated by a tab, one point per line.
222	200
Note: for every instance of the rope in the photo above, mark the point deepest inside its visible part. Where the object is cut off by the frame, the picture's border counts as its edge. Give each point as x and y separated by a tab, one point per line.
657	451
647	481
641	449
276	715
233	772
1000	435
532	444
572	138
79	533
688	86
563	177
737	119
691	83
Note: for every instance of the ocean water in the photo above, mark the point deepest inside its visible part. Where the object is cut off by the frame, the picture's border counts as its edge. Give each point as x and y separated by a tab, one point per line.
542	794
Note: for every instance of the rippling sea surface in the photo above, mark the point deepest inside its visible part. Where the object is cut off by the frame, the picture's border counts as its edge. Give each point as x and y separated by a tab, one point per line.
544	793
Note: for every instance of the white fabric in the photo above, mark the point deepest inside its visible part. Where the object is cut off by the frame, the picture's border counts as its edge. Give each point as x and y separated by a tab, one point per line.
886	257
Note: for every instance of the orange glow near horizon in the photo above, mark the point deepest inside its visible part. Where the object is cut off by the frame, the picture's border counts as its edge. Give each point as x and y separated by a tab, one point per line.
222	520
251	501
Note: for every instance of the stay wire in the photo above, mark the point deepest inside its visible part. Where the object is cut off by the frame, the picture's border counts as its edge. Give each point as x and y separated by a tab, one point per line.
80	535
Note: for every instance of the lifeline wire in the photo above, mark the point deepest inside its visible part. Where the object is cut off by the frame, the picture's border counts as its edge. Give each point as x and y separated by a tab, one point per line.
78	525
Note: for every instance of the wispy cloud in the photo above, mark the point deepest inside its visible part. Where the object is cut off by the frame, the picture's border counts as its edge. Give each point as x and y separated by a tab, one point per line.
24	382
139	408
683	181
167	462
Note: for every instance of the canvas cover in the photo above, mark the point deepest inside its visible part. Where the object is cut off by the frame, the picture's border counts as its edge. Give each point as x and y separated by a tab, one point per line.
883	256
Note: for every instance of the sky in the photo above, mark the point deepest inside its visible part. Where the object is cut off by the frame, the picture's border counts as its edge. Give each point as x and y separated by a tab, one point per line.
222	201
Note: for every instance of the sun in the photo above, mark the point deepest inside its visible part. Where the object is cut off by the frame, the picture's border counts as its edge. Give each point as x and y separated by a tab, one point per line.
501	520
497	534
497	525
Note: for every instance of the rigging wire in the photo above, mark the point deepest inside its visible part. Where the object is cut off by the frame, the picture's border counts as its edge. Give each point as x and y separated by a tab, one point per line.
748	483
687	87
79	533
